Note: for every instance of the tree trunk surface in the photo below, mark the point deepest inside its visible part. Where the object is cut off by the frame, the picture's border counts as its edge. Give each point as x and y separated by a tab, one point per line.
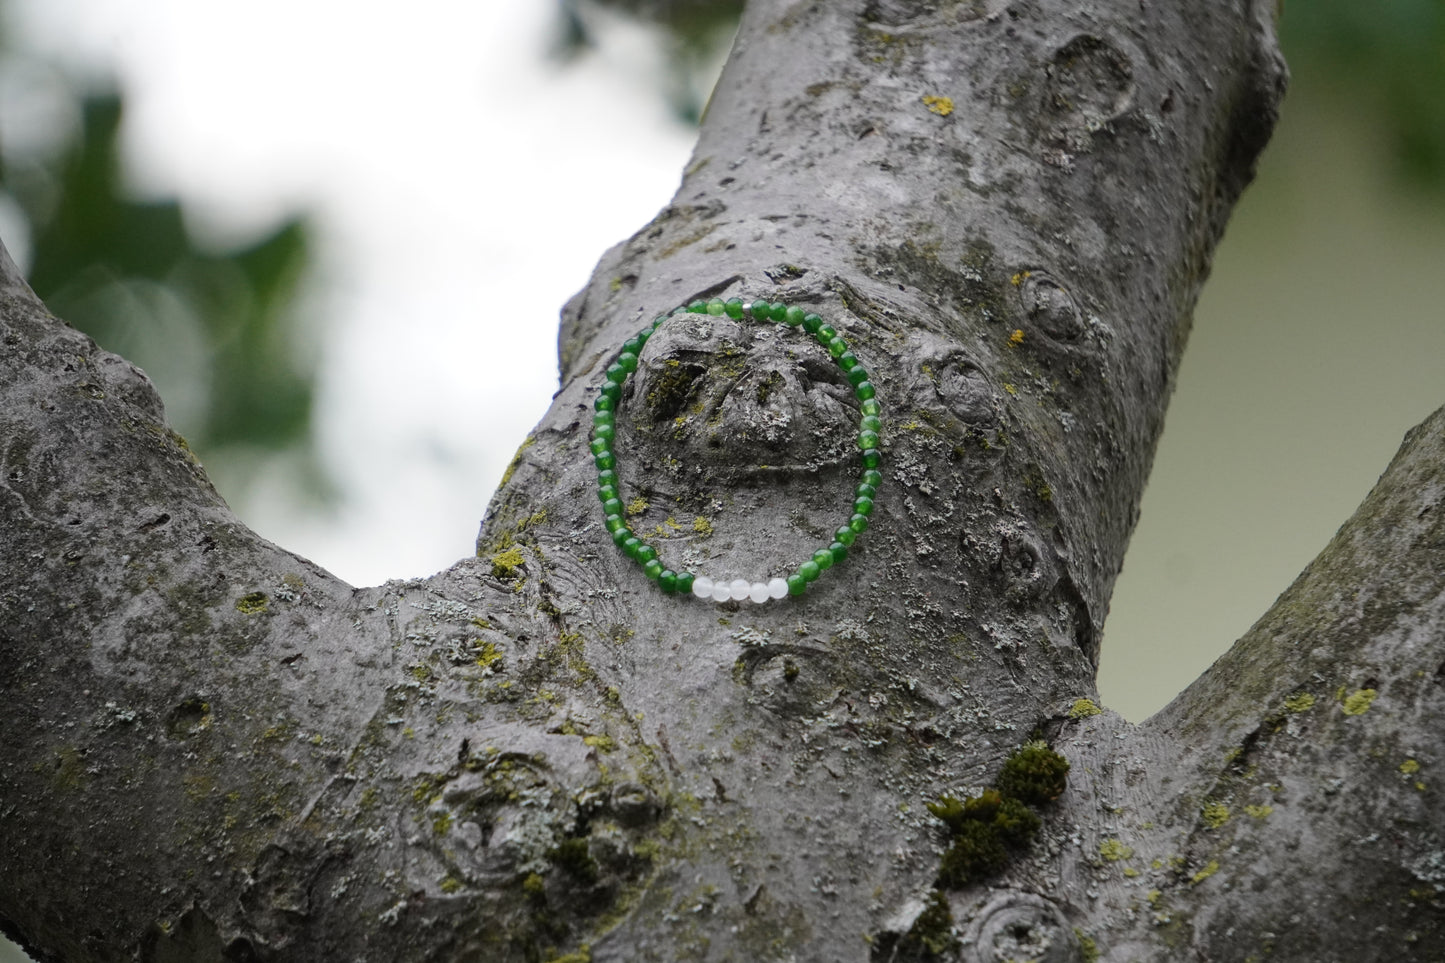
214	750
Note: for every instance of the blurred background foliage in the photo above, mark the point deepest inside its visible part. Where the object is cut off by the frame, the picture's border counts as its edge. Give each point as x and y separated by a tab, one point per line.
216	327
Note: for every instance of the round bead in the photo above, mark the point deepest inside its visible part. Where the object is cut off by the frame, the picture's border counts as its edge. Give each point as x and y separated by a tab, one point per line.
823	559
621	535
716	307
599	445
836	347
631	544
721	591
795	316
867	440
604	416
870	406
872	458
685	581
611	390
604	431
863	505
825	332
606	402
605	492
873	477
758	592
608	477
778	311
697	307
633	345
809	570
870	423
646	553
627	361
739	589
862	389
847	361
797	585
734	308
811	323
657	321
604	459
865	490
838	550
615	523
844	535
616	373
702	586
652	568
612	506
857	375
859	523
777	588
667	581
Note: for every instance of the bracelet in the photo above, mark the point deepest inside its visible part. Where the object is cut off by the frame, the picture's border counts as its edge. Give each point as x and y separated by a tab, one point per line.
604	431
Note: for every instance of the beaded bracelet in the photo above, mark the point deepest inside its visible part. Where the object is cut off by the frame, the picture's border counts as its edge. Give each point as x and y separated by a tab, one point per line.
609	486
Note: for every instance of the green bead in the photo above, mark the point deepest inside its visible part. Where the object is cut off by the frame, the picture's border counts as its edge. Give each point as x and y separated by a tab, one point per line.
873	477
608	477
872	458
604	417
605	492
870	423
646	553
599	445
865	490
684	581
867	440
652	569
605	460
627	361
845	535
615	524
862	505
859	524
797	585
839	551
795	316
825	333
847	361
616	373
809	570
657	321
870	406
667	580
611	390
716	307
607	401
620	537
632	543
734	308
863	389
633	345
858	376
697	307
779	313
823	559
836	346
604	432
612	506
811	322
680	309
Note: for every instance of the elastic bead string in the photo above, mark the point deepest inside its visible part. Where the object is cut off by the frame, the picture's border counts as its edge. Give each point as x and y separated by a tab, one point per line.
609	492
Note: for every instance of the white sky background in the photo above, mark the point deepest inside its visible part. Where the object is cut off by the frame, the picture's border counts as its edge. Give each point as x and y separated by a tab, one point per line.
464	187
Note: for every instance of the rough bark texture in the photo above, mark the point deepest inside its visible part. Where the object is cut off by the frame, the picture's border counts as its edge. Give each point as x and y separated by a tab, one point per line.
216	751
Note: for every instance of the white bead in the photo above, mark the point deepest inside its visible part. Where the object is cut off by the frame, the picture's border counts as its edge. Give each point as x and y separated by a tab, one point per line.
759	592
721	591
777	588
702	586
740	589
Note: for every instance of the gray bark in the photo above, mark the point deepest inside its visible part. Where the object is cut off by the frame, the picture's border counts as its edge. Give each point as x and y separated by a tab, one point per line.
216	751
